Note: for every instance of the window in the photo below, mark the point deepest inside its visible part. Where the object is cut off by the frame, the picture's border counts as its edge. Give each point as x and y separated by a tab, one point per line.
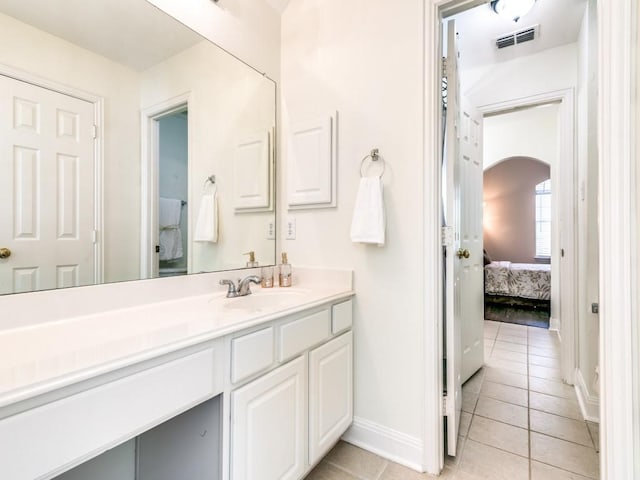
543	219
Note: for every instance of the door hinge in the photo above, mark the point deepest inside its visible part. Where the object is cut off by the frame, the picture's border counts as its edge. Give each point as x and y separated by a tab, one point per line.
447	236
444	67
94	131
444	406
94	236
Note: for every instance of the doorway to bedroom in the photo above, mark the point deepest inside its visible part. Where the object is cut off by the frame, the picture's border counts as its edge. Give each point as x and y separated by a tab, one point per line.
542	99
520	156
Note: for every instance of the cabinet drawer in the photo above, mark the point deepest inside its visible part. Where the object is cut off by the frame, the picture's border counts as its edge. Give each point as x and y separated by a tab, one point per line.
342	316
94	420
251	353
301	334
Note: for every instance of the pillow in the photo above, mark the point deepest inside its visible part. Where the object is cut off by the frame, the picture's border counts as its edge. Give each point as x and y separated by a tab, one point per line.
487	258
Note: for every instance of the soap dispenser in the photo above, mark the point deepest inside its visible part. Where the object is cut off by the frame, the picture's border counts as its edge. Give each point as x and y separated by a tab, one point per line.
285	272
252	259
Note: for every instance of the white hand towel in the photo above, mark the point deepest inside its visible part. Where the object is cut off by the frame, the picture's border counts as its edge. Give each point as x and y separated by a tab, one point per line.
170	237
207	224
368	222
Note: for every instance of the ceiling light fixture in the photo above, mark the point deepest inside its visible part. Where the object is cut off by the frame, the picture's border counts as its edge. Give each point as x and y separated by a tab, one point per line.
512	9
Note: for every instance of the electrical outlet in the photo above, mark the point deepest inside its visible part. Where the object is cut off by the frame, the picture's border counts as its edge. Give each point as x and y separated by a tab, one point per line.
290	233
271	230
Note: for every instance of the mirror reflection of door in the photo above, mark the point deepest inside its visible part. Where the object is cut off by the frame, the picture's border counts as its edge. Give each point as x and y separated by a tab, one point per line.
47	222
173	192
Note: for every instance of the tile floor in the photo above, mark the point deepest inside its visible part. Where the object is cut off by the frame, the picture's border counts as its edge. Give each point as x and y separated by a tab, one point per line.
519	421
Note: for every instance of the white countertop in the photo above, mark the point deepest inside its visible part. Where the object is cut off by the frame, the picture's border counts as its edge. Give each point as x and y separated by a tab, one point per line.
43	357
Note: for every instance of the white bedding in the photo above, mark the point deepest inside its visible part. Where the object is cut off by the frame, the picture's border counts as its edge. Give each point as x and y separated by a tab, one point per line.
525	280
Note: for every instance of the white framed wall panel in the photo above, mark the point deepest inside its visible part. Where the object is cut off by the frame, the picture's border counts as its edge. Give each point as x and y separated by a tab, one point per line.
252	178
312	163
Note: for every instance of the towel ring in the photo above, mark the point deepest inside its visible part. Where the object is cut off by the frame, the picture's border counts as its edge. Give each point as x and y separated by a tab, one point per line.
210	178
374	156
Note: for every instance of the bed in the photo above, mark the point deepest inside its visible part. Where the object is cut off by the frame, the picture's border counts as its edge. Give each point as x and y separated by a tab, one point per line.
522	284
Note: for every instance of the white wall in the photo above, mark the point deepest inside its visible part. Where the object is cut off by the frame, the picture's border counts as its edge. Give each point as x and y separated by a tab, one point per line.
532	132
587	213
31	50
509	209
248	29
229	101
364	59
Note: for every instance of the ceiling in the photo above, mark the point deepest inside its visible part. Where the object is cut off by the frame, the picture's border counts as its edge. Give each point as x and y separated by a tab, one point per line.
559	24
111	27
131	32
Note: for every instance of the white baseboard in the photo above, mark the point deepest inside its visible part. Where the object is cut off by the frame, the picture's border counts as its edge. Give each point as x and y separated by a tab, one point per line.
589	404
387	443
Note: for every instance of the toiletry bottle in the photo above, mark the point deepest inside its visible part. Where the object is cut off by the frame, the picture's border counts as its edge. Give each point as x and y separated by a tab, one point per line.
285	272
252	259
266	276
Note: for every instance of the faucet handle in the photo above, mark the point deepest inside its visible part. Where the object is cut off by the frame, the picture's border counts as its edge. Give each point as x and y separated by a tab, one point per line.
244	287
231	290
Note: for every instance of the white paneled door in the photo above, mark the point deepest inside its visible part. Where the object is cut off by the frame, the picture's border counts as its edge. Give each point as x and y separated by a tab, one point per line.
453	335
464	268
46	188
469	259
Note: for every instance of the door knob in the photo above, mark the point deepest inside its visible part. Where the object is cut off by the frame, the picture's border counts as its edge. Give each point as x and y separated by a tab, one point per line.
5	252
463	253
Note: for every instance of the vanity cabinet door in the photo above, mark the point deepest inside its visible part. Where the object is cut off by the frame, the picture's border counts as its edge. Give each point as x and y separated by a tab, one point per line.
268	418
330	394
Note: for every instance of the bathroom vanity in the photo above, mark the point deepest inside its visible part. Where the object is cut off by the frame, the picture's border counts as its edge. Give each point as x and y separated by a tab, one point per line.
195	387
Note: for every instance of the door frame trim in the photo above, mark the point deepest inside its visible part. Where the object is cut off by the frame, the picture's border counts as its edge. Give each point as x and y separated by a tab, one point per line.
619	146
98	152
149	178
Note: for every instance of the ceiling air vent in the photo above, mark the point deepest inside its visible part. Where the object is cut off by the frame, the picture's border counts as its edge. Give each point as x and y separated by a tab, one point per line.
506	41
526	35
514	38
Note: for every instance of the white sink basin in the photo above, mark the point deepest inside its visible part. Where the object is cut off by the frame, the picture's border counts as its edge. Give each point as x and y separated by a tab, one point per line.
263	300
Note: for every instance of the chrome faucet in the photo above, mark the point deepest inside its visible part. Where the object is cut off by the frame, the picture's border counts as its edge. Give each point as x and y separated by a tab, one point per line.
243	288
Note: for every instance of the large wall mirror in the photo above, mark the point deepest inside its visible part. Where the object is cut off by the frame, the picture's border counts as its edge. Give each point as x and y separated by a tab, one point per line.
130	148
